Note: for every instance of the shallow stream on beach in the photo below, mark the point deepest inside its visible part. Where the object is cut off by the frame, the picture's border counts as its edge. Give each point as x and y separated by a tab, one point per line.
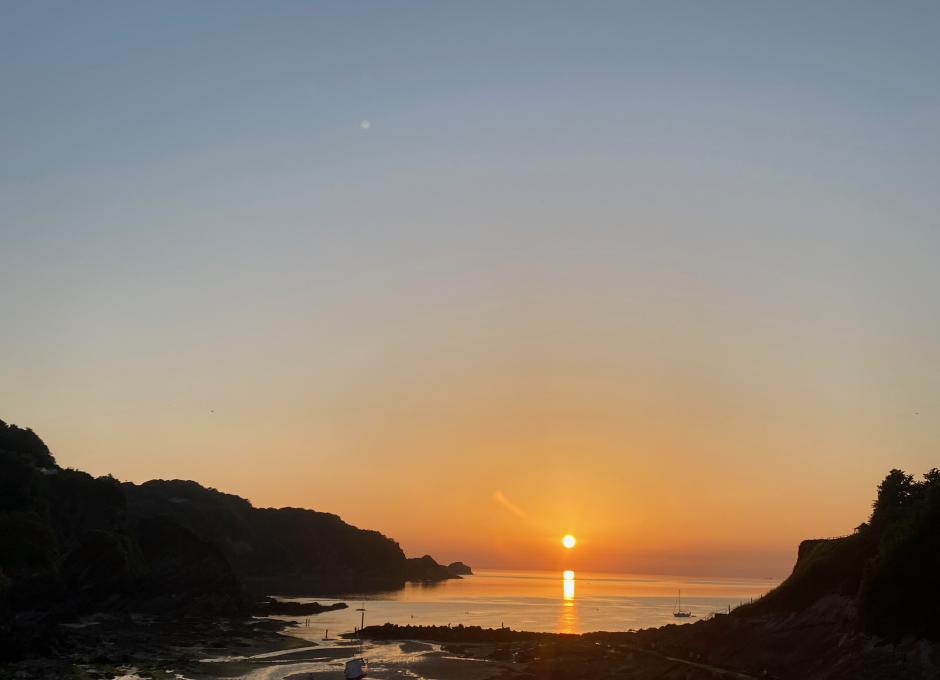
388	660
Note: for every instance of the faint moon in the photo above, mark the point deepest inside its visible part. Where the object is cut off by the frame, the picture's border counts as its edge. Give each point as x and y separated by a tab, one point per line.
365	125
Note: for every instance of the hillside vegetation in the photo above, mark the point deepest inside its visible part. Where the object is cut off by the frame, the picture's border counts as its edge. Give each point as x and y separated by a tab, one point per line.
286	551
889	567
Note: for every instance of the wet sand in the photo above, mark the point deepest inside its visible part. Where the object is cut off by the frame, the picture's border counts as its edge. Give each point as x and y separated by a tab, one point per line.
388	659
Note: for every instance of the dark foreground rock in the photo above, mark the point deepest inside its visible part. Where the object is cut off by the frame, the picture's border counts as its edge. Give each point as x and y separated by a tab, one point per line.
822	641
459	633
271	606
818	644
105	646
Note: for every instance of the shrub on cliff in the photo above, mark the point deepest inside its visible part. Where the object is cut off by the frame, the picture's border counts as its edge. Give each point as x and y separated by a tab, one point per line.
900	590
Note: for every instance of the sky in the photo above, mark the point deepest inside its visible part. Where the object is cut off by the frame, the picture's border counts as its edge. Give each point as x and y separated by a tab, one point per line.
476	275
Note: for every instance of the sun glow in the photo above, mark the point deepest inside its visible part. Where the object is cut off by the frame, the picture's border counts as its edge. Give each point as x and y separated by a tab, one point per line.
569	541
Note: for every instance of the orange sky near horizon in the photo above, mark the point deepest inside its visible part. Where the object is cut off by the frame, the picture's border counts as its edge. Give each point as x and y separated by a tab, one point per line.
491	459
673	427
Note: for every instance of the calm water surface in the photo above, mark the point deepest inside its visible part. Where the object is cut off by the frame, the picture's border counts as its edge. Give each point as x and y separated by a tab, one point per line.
540	601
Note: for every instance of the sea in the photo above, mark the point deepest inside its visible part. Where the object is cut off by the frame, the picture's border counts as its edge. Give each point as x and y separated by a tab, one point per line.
562	602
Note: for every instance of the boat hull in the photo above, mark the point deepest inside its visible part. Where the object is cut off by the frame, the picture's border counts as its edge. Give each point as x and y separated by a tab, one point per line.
356	669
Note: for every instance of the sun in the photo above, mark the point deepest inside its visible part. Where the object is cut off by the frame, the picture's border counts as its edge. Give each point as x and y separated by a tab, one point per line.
569	541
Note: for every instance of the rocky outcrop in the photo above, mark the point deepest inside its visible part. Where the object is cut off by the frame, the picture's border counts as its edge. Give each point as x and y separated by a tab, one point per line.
459	569
426	569
270	606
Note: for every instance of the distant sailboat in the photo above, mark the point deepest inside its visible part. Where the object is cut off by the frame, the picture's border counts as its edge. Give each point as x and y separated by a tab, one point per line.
356	669
678	612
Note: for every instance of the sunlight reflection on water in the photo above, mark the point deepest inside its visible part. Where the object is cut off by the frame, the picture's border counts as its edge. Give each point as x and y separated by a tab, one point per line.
567	583
568	617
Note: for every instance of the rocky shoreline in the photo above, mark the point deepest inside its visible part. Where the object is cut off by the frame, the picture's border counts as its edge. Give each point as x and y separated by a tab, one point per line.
270	606
821	642
106	646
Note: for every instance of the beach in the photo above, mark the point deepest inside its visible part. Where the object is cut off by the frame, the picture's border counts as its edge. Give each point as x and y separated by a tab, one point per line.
820	642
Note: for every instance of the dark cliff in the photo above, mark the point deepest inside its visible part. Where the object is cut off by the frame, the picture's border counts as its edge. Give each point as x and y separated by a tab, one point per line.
287	551
72	544
888	568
